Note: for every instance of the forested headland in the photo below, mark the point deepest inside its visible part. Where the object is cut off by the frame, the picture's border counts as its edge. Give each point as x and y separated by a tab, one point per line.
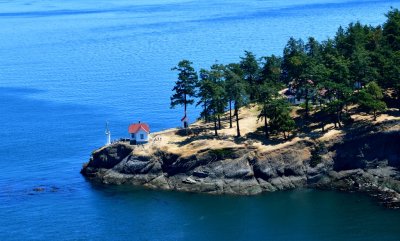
356	71
324	115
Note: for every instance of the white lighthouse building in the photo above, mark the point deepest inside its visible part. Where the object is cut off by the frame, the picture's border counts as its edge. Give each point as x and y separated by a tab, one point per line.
139	133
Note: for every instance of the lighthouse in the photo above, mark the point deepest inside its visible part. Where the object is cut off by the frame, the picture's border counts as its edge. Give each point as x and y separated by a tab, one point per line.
108	135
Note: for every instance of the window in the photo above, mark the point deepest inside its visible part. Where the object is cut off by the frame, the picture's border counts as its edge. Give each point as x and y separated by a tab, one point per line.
141	136
133	135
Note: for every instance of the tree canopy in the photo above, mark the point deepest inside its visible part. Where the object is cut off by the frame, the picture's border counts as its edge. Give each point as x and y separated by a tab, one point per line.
358	69
184	89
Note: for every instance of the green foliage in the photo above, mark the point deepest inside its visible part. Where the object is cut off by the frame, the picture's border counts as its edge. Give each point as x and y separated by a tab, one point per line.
223	153
294	60
370	98
212	93
235	85
236	89
266	93
374	90
249	66
270	70
184	89
278	111
218	95
204	93
329	76
391	29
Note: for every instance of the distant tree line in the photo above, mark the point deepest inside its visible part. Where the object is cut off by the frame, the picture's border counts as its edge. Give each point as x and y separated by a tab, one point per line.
359	66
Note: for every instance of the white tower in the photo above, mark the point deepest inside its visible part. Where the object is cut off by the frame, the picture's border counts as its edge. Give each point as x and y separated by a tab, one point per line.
108	134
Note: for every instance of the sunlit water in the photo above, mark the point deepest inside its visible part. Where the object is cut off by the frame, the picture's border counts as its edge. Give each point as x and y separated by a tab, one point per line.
67	67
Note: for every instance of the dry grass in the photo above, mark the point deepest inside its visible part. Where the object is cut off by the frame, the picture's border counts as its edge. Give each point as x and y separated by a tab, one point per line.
186	145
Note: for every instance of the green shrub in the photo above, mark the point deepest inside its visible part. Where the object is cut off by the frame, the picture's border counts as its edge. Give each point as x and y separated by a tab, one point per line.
222	153
316	154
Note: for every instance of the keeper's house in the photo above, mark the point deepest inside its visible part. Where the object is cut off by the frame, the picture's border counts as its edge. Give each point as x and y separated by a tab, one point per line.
139	133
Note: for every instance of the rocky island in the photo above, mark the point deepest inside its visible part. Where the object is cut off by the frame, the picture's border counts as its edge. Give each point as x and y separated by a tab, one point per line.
324	115
364	158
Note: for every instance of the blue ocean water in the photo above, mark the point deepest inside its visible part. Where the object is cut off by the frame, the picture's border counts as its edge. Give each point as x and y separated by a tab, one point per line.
67	67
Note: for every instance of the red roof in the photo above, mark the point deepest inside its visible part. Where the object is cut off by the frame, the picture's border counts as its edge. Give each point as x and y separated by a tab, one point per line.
134	128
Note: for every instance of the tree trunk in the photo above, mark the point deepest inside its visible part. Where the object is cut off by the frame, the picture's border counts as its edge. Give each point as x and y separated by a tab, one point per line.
284	135
184	104
374	115
219	122
237	120
215	126
251	95
205	113
338	119
230	114
334	119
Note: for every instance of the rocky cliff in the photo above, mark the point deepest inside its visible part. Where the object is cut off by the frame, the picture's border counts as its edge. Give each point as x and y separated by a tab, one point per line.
364	158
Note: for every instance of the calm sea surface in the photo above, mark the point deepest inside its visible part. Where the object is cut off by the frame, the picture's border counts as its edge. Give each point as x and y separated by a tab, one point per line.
67	67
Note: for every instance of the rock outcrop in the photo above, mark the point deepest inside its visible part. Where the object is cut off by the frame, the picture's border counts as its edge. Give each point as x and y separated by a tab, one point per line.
365	159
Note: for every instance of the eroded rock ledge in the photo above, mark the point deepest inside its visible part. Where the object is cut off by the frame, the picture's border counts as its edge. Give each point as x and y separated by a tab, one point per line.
364	159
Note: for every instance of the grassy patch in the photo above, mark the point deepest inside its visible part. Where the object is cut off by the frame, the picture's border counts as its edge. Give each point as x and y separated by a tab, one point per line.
223	153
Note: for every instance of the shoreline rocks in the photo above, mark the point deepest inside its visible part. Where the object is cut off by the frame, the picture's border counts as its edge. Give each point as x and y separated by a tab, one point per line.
365	162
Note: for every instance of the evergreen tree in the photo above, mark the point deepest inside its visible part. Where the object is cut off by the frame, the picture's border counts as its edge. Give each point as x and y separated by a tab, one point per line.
249	66
234	78
217	75
370	98
267	92
294	61
298	68
278	111
337	96
391	52
217	93
391	29
204	90
270	71
185	86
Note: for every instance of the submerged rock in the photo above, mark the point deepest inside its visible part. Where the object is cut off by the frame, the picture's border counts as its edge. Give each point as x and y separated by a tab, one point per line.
39	189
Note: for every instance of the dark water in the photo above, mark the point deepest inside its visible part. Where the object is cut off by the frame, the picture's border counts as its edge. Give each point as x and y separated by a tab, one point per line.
68	66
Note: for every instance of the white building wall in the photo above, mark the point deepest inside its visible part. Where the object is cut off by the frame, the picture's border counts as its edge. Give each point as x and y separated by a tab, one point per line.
141	133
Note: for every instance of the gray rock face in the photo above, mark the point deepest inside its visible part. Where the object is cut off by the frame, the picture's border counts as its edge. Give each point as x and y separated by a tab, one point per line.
368	151
135	165
245	171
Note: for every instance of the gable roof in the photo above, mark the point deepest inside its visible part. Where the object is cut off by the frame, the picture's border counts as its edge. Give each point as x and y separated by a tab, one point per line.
134	128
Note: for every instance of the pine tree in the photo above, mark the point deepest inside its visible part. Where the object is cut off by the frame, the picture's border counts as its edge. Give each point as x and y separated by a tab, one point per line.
250	68
370	98
217	75
204	90
237	93
267	92
391	29
185	86
270	70
279	113
217	95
